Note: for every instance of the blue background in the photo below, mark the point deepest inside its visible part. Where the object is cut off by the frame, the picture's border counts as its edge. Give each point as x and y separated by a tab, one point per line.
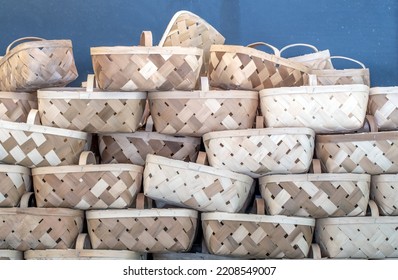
366	30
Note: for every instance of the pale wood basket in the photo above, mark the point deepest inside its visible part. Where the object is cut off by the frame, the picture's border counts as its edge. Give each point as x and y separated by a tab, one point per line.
384	192
146	67
37	63
33	145
383	105
195	185
315	60
325	109
15	181
11	255
87	185
15	106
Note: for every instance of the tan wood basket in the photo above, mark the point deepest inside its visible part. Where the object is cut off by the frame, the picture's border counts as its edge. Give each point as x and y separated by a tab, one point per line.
91	110
245	68
15	106
316	195
11	255
196	186
340	76
315	60
34	228
368	152
383	105
257	236
371	237
83	251
143	230
325	109
146	67
384	192
187	29
15	181
87	185
37	63
256	152
33	145
199	112
134	147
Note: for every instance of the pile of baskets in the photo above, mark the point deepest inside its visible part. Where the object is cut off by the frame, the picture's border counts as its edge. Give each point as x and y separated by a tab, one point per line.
193	149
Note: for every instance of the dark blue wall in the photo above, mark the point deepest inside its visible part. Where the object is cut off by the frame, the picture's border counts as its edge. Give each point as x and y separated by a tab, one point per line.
366	30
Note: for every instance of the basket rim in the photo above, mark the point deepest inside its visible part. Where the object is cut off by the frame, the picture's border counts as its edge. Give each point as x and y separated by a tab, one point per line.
137	50
340	72
383	90
355	137
35	211
81	93
385	178
258	132
315	177
15	169
211	94
146	136
341	221
310	56
196	167
18	95
276	219
141	213
79	253
87	168
13	254
313	89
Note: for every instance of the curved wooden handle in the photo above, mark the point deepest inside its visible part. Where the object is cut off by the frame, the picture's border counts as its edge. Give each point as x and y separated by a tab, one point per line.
298	45
316	166
202	158
87	157
259	122
257	44
315	251
143	202
25	199
370	120
145	115
149	124
146	39
374	209
259	206
23	39
342	57
33	117
204	84
82	242
90	83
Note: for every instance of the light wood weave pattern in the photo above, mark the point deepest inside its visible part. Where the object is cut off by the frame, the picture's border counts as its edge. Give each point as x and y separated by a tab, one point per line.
15	106
383	105
384	191
315	60
11	255
15	181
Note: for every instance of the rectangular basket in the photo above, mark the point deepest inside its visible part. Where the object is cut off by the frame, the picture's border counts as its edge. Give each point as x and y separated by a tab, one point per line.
383	105
15	106
325	109
15	181
384	192
36	64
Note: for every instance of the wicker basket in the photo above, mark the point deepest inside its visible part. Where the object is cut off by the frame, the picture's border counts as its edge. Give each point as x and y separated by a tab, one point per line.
36	64
316	195
256	152
134	147
33	145
146	68
384	191
369	152
87	186
196	186
83	251
340	76
326	109
15	106
186	29
15	181
238	67
91	110
383	105
258	236
372	237
143	230
11	255
38	228
203	111
316	60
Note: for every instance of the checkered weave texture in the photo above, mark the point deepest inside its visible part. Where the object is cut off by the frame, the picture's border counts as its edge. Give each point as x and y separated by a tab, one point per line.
384	107
13	186
384	191
17	106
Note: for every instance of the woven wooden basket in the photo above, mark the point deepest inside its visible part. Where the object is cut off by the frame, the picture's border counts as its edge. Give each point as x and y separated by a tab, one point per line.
87	186
383	105
202	111
196	186
256	152
340	76
15	181
371	237
15	106
187	29
91	110
384	192
33	145
325	109
83	251
147	67
143	230
316	60
238	67
257	236
369	152
37	63
134	147
11	255
33	228
316	195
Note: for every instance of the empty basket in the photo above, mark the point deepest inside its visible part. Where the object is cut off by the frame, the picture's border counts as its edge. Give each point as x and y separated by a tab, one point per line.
15	181
15	106
384	192
383	105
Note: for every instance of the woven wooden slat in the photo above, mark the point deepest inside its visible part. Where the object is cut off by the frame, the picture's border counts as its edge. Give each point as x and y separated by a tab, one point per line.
384	191
15	106
147	230
326	109
383	105
37	64
316	60
257	152
195	186
15	181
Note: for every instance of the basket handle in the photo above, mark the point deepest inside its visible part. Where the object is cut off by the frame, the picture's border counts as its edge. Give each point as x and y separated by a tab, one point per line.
90	83
149	124
257	44
87	157
374	210
33	117
82	242
344	58
145	115
25	199
315	252
259	122
204	83
146	39
316	166
371	122
202	158
258	206
143	202
298	45
23	39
